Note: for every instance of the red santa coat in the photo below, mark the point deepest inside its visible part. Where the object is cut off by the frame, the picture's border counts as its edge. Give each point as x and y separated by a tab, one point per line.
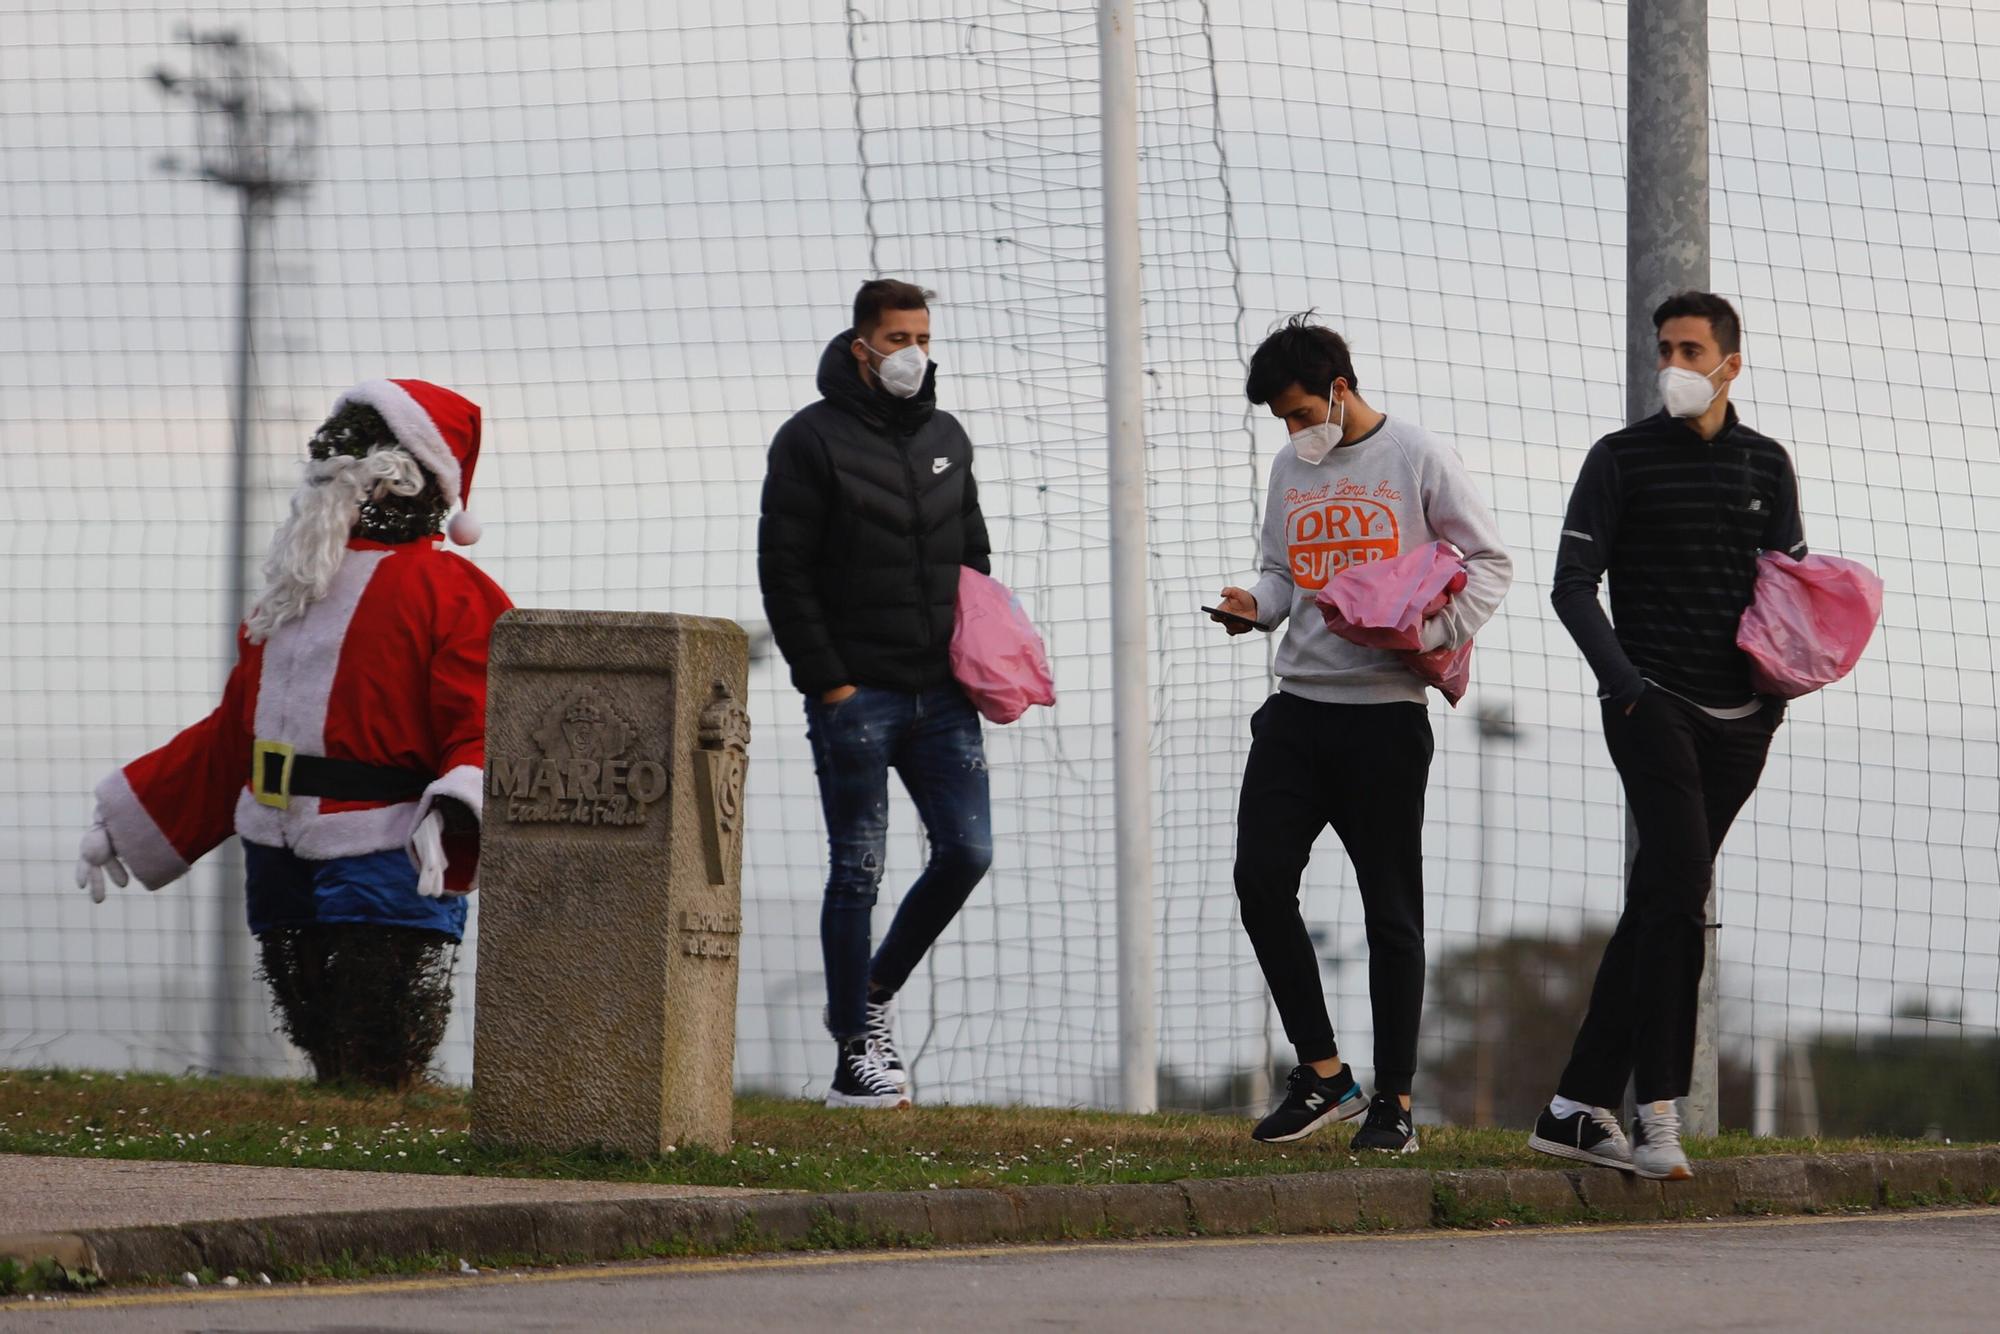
388	668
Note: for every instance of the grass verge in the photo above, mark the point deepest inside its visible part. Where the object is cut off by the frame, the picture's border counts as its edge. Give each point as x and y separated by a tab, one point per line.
780	1143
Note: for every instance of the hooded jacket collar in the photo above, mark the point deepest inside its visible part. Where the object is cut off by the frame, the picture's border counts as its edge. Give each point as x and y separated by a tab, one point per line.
840	384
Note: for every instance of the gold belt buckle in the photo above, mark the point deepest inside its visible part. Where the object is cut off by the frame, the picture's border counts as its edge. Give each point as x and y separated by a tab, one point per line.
261	753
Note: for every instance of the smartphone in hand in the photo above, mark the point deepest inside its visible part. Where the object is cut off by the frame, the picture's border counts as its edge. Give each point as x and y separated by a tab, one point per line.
1231	618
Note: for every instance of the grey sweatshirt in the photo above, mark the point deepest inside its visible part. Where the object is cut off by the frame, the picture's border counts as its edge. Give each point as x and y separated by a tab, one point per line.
1388	493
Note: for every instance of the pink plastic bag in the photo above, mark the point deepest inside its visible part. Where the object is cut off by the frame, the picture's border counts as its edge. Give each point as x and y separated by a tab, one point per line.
1384	603
1808	622
1449	669
996	655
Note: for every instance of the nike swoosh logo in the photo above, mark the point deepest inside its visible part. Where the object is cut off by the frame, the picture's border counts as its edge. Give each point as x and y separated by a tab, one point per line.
939	465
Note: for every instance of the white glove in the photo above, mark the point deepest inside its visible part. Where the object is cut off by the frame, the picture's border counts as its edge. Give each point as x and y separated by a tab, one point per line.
96	858
427	850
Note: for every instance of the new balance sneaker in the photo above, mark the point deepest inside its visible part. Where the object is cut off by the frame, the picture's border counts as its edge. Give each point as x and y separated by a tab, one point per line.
1592	1136
859	1082
882	1040
1389	1127
1656	1143
1309	1103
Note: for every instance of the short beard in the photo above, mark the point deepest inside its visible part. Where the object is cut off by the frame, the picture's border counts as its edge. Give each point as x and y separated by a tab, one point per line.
308	548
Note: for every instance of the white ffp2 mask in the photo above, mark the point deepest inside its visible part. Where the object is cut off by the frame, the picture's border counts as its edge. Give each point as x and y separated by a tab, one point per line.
1313	444
902	371
1687	393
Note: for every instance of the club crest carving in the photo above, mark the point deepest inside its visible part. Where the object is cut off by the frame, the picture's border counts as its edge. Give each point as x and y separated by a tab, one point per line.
585	772
720	767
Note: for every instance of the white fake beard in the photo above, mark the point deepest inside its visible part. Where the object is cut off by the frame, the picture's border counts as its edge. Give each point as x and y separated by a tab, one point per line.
307	550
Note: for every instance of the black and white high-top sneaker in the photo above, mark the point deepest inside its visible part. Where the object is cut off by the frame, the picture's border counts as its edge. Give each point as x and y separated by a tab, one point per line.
859	1082
1592	1136
882	1040
1389	1127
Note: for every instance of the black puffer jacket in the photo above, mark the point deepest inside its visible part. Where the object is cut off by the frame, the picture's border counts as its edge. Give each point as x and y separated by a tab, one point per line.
869	510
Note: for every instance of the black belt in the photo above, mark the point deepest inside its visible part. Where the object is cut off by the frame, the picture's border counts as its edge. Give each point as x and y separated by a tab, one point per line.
277	775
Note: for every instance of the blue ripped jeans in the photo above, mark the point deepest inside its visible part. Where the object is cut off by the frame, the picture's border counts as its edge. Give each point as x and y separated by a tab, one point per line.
932	741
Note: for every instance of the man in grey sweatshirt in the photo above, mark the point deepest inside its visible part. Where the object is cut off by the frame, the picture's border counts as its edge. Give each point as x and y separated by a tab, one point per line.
1346	740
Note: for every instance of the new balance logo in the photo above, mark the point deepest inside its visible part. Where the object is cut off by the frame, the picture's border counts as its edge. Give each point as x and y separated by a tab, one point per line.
939	465
1316	1101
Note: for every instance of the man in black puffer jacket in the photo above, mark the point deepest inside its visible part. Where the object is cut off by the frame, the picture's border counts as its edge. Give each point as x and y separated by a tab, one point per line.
869	511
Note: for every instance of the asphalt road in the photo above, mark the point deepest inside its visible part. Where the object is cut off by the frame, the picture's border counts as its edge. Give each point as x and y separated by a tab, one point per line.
1928	1271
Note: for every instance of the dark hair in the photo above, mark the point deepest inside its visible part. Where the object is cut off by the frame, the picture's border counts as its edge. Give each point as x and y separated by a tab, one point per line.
1301	353
883	294
356	431
1723	321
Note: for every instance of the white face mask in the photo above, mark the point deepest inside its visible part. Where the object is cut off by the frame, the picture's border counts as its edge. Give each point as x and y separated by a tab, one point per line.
1687	393
1313	444
902	371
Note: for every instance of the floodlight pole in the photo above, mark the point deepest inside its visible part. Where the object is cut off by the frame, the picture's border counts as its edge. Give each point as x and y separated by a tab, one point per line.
263	154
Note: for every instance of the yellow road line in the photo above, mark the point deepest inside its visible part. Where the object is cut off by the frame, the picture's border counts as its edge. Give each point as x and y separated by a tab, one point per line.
750	1263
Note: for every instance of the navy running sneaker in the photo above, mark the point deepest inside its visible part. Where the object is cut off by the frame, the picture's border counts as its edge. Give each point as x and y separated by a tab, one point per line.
1309	1103
1388	1129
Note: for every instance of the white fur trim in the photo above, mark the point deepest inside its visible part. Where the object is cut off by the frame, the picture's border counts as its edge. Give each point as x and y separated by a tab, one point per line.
412	425
135	836
301	657
318	837
467	783
300	660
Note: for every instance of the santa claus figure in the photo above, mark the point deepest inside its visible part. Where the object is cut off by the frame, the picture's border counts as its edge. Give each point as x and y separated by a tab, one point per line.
349	744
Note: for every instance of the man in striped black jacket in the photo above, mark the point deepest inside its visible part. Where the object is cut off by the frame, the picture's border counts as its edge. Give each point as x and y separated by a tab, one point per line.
1675	509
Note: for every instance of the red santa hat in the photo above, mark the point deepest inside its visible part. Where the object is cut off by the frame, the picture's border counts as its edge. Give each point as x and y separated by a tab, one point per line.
440	429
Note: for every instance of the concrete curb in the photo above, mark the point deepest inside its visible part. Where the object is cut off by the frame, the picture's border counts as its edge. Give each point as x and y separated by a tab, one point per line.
1346	1201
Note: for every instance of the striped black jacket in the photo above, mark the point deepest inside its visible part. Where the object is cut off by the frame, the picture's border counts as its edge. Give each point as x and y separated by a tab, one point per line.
1677	522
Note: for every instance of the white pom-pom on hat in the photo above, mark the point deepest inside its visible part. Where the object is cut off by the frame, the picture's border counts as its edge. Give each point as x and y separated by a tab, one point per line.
464	528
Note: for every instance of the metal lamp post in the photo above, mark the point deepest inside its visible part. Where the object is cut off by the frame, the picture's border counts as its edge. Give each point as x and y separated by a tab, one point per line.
254	136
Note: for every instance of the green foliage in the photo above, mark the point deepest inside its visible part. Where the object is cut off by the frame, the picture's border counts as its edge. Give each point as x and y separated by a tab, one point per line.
1912	1086
367	1004
1450	1209
44	1275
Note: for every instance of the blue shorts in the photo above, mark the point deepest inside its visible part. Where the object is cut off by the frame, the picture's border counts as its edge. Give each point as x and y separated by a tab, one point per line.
283	890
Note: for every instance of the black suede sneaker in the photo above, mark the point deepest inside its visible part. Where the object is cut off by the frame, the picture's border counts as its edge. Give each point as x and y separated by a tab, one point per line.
1584	1137
1388	1129
1309	1103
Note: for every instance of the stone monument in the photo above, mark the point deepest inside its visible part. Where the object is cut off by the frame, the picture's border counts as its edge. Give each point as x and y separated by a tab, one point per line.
610	881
